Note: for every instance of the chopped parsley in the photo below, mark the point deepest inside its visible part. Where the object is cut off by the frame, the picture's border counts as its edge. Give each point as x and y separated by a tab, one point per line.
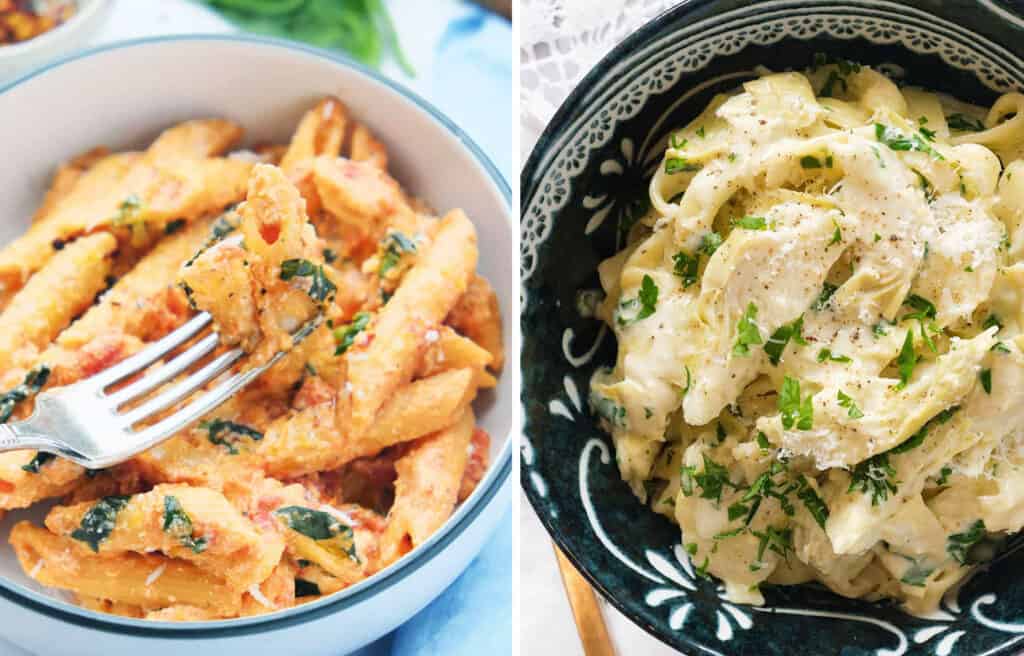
645	303
795	411
944	475
837	236
810	162
896	140
923	308
220	432
346	335
878	329
34	381
689	380
986	380
827	290
747	332
1001	347
762	440
778	340
98	522
680	165
814	503
960	543
709	243
993	320
874	477
751	223
906	360
774	539
608	410
852	411
700	132
711	480
964	123
320	526
686	267
827	354
178	524
37	461
395	245
320	287
677	144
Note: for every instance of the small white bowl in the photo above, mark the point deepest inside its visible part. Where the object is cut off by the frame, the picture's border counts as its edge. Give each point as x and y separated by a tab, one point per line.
75	33
122	95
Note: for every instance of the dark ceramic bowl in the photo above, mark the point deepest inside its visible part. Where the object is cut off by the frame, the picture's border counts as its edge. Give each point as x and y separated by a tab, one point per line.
589	166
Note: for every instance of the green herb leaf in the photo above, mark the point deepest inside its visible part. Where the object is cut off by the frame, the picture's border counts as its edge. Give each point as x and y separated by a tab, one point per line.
837	236
924	309
304	588
917	439
330	255
686	267
986	380
29	387
810	162
874	477
944	474
814	503
827	354
960	543
178	524
38	461
174	226
774	539
320	287
99	521
827	290
608	410
778	340
680	165
993	320
712	479
762	440
853	412
793	410
747	332
907	360
751	223
320	526
395	245
964	123
346	335
916	574
709	243
220	431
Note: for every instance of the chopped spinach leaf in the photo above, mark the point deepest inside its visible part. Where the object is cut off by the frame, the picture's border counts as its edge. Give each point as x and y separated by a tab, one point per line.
320	287
29	387
346	335
99	521
395	245
178	524
220	431
320	526
38	461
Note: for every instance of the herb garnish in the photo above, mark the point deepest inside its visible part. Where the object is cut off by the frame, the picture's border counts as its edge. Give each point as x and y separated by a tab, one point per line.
896	140
686	267
875	477
827	354
815	504
794	410
917	438
906	360
747	332
853	412
964	123
345	335
709	243
712	479
608	410
646	300
304	588
774	539
218	427
320	287
916	574
99	521
960	543
34	381
827	290
778	340
320	526
751	223
810	162
680	165
986	380
395	245
38	461
178	524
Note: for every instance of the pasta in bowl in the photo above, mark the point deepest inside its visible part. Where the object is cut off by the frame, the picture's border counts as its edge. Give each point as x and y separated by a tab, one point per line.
346	455
818	328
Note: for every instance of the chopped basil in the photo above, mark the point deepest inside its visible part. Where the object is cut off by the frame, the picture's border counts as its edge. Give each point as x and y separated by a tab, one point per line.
747	332
304	588
38	461
820	303
853	412
874	477
795	412
778	340
827	354
178	524
34	381
680	165
99	521
395	245
964	123
906	360
896	140
346	335
810	162
960	543
320	526
686	267
815	504
320	287
220	431
751	223
986	380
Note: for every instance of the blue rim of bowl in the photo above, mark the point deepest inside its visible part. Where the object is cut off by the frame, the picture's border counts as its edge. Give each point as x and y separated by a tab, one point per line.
528	183
499	471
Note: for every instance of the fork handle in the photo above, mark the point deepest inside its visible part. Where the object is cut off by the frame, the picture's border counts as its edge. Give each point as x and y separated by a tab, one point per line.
20	435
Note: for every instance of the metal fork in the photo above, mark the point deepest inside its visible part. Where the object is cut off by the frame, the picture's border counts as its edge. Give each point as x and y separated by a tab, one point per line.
82	422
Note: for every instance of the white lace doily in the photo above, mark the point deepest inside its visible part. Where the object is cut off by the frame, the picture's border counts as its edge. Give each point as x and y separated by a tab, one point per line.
560	41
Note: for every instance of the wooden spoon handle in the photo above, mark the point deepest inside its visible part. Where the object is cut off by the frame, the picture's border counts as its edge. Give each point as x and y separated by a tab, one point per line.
589	621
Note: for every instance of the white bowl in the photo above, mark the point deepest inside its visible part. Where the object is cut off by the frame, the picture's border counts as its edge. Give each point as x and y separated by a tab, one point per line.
122	95
20	57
